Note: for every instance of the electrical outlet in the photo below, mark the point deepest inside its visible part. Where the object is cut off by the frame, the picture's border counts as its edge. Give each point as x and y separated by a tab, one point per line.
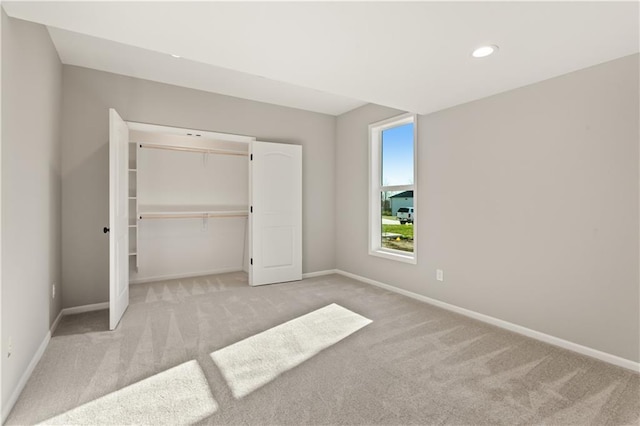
439	275
53	291
10	349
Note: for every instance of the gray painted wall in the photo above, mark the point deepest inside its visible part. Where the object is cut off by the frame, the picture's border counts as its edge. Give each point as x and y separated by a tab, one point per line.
31	193
85	186
529	202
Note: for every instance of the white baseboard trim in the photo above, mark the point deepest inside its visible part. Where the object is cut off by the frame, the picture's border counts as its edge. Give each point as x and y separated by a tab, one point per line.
556	341
218	271
85	308
187	275
43	346
56	322
25	377
319	273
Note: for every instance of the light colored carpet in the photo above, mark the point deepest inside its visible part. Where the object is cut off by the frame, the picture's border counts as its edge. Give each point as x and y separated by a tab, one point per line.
180	395
257	360
413	364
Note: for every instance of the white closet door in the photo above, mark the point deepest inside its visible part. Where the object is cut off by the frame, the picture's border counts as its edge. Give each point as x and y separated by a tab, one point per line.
118	218
276	221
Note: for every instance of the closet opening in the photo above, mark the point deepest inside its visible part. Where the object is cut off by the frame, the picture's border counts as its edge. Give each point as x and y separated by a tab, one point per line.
188	203
191	205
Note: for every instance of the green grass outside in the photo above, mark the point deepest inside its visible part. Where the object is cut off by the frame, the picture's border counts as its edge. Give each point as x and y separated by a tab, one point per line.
405	230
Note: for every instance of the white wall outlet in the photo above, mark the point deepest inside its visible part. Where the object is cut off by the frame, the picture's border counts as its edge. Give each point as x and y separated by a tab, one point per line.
439	275
53	291
10	347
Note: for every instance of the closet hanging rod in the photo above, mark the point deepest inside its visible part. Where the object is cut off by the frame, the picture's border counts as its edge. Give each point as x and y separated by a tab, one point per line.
190	216
189	149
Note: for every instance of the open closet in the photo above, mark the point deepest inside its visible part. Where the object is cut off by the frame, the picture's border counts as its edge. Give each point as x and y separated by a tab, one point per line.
187	202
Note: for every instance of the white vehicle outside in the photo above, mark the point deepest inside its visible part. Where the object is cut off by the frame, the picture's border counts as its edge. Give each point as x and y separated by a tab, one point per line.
405	215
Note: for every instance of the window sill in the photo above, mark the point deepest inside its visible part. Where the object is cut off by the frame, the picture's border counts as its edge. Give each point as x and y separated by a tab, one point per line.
394	255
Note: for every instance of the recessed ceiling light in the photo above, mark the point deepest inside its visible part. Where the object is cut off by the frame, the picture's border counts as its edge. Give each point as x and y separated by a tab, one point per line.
176	56
484	51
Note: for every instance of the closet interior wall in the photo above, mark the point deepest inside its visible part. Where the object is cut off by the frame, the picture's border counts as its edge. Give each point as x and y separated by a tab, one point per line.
188	207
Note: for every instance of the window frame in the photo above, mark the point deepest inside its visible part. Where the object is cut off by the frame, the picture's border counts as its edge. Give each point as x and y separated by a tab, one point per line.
376	188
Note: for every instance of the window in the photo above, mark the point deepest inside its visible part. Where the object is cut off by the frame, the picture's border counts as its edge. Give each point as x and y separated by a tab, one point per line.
392	182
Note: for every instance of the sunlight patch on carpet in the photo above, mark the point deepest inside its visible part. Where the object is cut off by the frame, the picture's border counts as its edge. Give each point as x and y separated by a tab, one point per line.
180	395
257	360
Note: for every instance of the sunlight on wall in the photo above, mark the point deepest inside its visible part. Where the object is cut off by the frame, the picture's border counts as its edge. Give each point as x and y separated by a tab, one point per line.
257	360
180	395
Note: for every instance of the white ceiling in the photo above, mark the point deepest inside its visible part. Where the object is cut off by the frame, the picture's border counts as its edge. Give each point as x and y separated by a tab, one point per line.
412	56
97	53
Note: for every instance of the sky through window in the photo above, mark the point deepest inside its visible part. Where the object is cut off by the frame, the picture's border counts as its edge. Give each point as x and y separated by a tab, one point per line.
397	155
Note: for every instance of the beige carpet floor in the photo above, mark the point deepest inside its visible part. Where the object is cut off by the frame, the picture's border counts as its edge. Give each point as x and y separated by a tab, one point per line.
413	364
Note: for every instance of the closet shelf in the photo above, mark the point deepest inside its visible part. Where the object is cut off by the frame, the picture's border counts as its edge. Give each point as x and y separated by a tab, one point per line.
190	212
193	149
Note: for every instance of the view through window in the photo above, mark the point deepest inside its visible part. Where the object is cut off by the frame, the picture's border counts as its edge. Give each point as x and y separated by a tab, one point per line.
393	180
397	170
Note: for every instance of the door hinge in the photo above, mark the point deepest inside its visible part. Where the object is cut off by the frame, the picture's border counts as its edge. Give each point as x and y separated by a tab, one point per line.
251	157
251	209
252	260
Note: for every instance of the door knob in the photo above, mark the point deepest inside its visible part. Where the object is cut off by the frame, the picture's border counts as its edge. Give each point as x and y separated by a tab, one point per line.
105	229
